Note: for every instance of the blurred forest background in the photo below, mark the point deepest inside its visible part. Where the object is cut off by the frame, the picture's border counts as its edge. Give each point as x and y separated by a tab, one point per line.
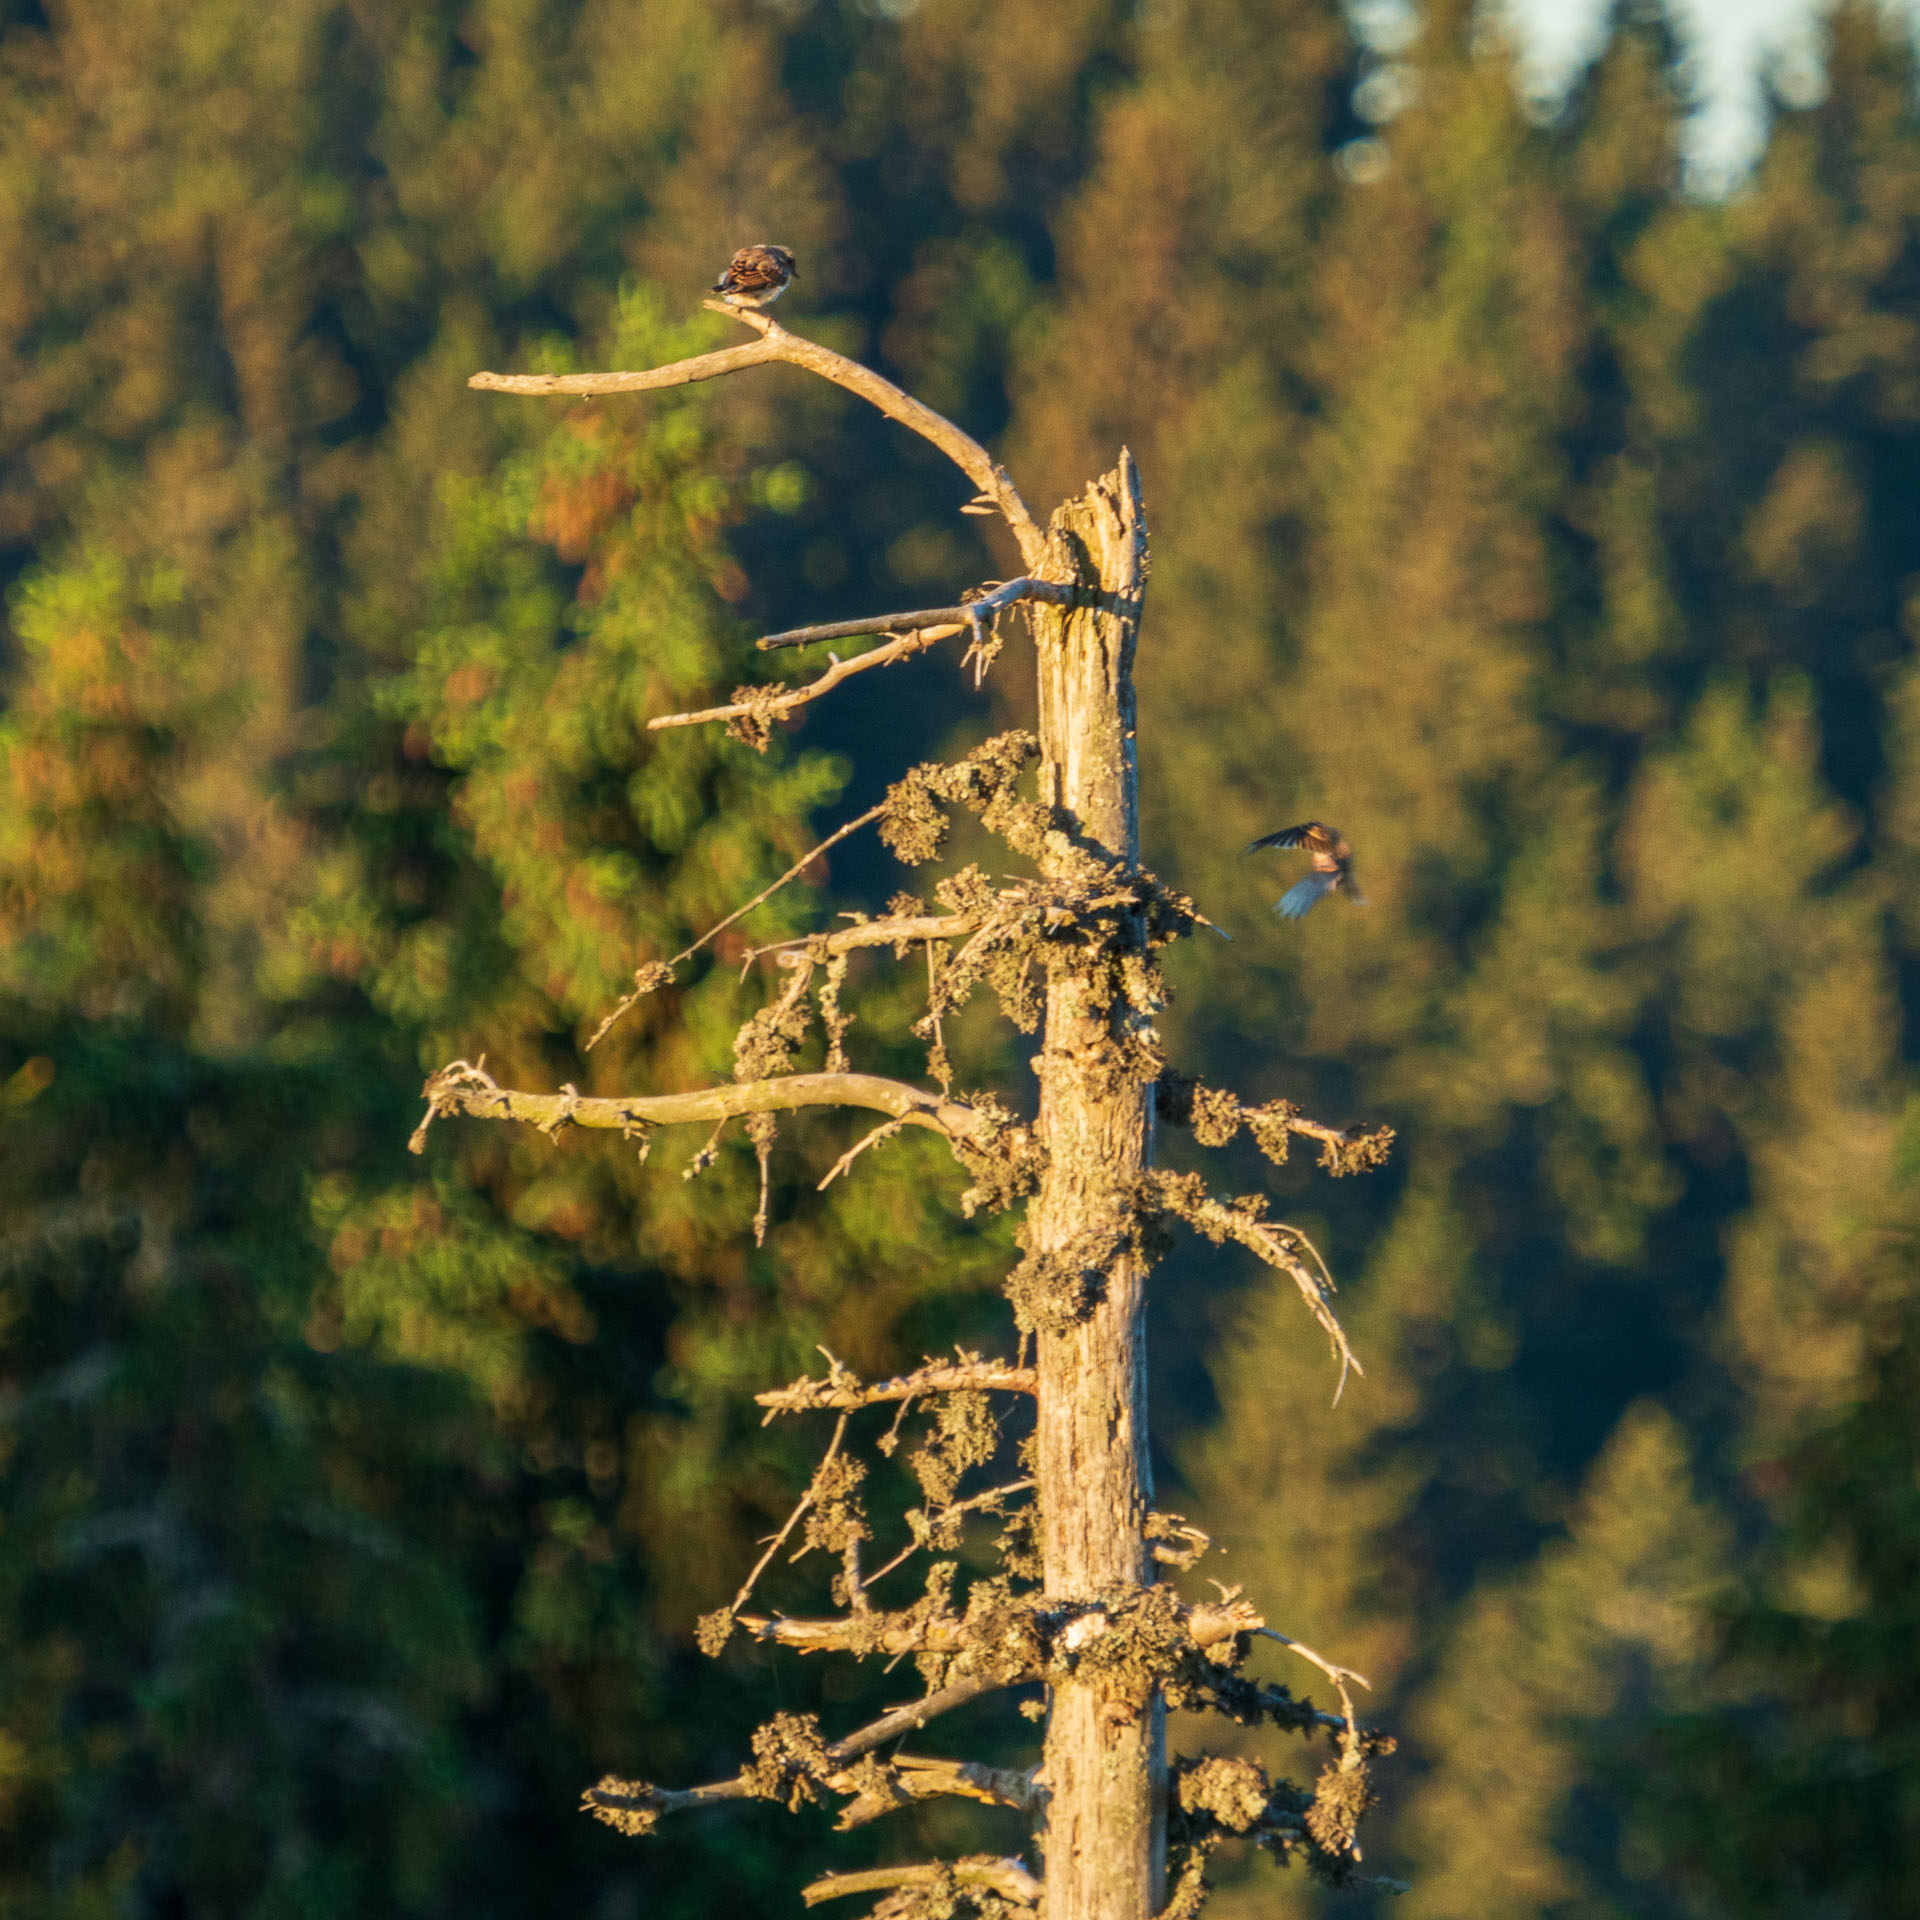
1555	532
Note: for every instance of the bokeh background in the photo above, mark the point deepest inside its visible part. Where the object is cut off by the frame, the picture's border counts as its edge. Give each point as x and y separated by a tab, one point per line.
1542	509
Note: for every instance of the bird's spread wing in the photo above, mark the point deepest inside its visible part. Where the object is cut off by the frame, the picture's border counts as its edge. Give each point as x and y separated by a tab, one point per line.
1314	835
1304	895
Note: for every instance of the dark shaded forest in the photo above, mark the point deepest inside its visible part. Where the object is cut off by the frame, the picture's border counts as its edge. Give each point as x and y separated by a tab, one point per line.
1552	528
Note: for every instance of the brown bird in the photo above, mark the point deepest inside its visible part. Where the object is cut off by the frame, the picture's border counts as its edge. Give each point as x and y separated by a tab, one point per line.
1332	866
756	276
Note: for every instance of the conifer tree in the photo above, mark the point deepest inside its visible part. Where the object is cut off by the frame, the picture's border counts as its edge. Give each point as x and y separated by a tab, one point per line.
1551	1674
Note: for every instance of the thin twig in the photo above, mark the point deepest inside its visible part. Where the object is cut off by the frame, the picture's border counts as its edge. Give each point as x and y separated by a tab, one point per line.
884	1131
1350	1754
972	1504
766	893
1186	1197
779	1540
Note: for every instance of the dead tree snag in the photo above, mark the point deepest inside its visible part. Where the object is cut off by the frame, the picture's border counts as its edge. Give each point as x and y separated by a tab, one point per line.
1070	944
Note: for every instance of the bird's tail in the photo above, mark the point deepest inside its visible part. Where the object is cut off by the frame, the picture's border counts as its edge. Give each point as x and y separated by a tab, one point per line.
1304	895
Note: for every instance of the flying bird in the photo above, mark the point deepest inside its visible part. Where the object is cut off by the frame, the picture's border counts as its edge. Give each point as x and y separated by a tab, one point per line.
756	276
1332	866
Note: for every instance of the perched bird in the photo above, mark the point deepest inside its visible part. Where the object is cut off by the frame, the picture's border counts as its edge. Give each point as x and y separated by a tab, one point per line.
1332	866
756	276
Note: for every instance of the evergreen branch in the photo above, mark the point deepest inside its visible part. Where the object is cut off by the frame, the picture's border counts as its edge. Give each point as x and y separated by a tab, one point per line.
841	1389
777	344
1008	1878
463	1088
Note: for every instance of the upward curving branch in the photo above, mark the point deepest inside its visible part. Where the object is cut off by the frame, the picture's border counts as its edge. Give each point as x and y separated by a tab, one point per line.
777	344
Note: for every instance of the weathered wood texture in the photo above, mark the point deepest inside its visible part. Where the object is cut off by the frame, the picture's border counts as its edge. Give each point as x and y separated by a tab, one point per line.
1102	1825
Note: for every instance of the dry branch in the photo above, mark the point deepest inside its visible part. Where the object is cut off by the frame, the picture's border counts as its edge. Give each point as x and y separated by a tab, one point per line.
761	706
777	344
657	973
1008	1878
898	931
1069	1627
464	1088
840	1389
634	1805
779	1540
1216	1116
770	705
1281	1247
983	605
1350	1749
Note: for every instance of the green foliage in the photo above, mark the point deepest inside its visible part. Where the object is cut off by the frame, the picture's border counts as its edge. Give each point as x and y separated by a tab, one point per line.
1551	530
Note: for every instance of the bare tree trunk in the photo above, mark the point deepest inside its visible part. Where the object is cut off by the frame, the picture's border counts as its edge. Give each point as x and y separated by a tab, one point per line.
1100	1796
1103	1815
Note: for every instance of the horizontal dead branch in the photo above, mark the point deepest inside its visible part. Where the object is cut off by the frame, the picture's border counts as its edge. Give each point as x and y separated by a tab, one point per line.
899	930
841	1390
965	613
463	1088
911	1777
1008	1878
582	386
1071	1627
634	1806
1216	1116
759	707
777	344
769	704
949	621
